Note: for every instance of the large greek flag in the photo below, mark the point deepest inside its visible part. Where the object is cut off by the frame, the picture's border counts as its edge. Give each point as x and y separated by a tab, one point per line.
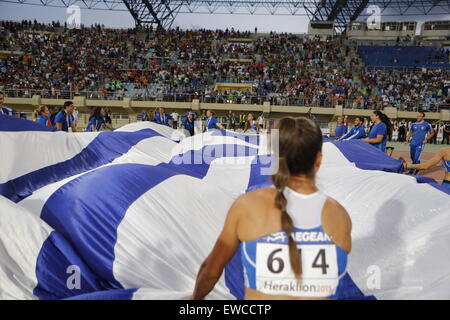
131	214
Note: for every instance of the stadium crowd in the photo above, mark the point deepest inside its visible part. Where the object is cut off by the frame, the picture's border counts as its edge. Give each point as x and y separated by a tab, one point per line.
406	89
65	118
178	65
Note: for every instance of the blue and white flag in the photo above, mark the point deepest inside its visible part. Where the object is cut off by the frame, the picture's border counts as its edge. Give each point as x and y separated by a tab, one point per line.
131	214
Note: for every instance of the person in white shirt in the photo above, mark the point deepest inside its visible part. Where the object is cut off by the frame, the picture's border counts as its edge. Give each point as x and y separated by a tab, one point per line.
75	115
175	116
261	120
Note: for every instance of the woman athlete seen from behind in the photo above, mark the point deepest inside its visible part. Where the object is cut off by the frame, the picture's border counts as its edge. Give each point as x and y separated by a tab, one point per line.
294	239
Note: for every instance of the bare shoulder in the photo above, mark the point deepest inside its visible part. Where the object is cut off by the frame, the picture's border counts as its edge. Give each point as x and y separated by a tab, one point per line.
337	223
335	211
262	192
253	198
250	213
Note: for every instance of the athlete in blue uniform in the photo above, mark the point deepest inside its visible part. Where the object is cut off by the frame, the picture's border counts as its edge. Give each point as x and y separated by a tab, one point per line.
419	131
162	118
145	116
97	120
4	109
41	115
251	124
379	133
443	156
294	239
341	129
211	121
188	123
64	119
357	132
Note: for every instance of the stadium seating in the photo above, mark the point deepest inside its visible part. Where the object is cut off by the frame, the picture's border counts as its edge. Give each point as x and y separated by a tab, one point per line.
283	69
402	56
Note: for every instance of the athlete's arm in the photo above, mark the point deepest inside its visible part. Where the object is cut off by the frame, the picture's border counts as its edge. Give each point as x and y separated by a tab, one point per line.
74	127
337	224
430	163
218	125
361	133
378	139
408	137
224	249
353	135
345	136
59	125
430	135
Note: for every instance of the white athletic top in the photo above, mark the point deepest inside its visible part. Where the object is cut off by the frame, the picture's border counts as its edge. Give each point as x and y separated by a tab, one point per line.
305	209
266	260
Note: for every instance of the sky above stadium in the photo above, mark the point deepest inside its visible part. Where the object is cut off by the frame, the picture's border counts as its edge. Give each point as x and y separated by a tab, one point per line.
123	19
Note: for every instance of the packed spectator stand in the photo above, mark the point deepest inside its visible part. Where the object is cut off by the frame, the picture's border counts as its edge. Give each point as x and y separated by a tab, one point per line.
284	69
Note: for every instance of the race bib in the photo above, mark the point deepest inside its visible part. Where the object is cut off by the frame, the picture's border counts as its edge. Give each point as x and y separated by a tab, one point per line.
274	274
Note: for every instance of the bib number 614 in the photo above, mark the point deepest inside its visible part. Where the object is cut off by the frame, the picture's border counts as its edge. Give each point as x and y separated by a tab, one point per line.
317	260
276	264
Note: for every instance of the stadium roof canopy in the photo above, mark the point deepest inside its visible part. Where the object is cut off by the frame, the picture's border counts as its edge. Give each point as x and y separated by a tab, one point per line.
163	12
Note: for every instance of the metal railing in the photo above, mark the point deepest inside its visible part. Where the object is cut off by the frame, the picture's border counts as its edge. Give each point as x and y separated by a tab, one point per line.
245	99
444	67
63	95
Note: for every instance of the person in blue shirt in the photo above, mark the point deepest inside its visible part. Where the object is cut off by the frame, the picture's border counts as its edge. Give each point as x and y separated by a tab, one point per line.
188	123
52	112
64	119
41	116
96	120
379	133
211	121
419	131
145	116
341	129
357	132
4	109
251	125
187	113
162	118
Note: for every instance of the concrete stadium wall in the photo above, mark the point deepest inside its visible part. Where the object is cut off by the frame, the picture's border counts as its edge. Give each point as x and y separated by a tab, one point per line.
133	108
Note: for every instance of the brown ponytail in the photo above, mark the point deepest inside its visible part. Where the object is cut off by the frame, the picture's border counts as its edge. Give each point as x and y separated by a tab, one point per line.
35	115
37	112
300	140
280	180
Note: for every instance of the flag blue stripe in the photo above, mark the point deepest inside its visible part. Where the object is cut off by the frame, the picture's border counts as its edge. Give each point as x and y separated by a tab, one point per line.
52	266
372	159
118	294
14	124
432	183
89	220
257	180
106	147
366	158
